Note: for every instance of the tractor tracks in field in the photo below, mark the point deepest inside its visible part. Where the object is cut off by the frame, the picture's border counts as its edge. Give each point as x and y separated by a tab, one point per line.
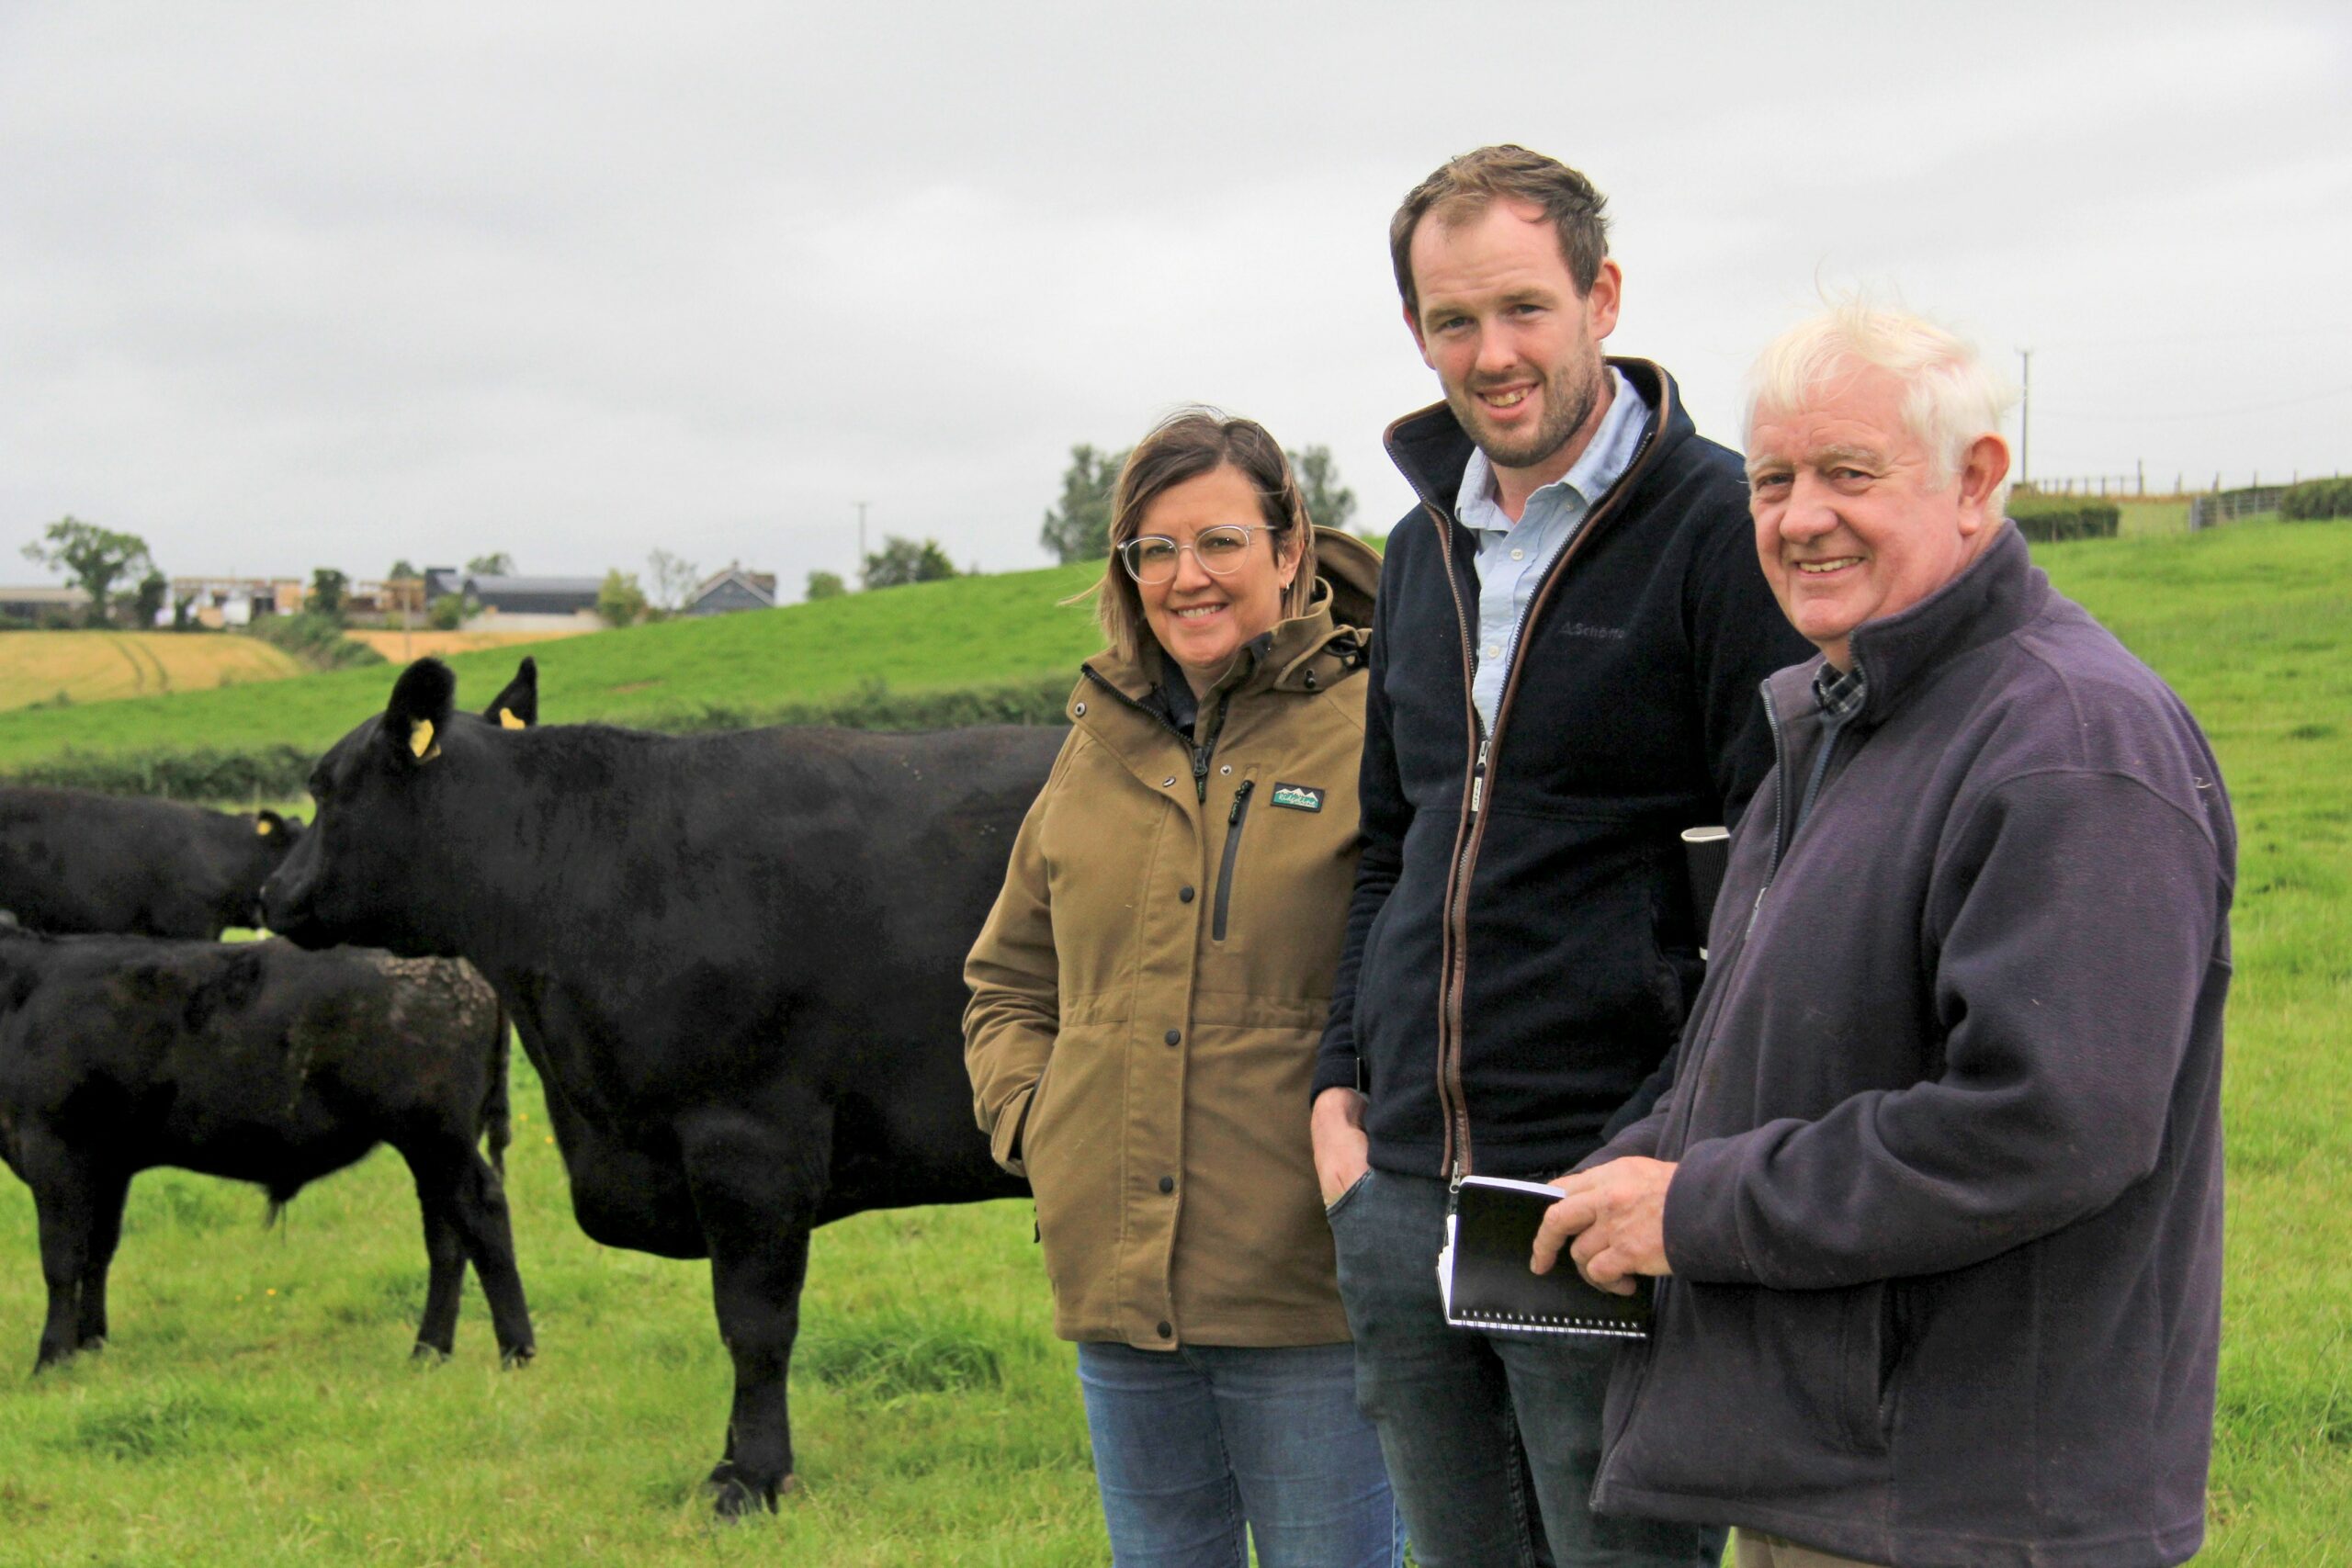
148	676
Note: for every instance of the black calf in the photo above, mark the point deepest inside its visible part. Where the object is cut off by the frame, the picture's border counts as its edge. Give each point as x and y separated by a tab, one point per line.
261	1063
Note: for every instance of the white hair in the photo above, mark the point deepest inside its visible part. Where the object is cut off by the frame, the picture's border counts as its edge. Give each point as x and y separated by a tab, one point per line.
1952	397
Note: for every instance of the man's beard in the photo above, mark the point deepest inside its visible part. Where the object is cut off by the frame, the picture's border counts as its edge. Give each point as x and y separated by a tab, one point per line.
1569	393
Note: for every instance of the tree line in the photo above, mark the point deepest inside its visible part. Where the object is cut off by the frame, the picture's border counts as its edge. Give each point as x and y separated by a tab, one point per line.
98	560
1079	528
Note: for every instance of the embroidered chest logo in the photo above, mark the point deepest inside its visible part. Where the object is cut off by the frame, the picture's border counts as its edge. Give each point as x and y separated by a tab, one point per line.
1298	797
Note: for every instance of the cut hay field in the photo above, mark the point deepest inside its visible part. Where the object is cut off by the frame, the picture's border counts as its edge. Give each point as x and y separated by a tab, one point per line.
401	647
255	1407
104	666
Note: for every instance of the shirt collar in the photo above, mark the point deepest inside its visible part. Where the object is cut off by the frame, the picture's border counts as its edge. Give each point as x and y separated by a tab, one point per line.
1602	464
1838	692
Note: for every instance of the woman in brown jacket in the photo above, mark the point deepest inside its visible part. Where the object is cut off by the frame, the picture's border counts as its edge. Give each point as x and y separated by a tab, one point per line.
1147	997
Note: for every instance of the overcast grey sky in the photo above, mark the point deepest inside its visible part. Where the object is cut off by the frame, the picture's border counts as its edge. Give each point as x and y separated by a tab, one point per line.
285	286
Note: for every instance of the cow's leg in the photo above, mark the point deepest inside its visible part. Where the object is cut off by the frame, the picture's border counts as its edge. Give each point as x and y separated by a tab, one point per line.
757	1188
108	1190
62	1183
481	1208
444	1252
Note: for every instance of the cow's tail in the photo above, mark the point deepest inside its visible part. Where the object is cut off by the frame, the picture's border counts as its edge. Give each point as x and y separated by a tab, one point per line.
497	1108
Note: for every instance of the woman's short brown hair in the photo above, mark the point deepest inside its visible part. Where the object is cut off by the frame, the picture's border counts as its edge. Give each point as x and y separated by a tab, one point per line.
1186	444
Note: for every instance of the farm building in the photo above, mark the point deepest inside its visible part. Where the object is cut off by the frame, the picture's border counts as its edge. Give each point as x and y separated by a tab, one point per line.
235	601
43	606
531	604
731	590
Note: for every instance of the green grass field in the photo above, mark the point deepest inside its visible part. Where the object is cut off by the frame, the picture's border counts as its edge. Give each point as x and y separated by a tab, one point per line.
2147	519
937	1421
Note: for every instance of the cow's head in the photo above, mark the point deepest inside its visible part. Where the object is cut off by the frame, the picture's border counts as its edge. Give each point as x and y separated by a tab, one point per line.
384	857
270	839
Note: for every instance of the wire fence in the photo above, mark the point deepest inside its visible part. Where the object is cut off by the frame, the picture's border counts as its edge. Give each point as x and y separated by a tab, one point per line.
2228	505
2137	485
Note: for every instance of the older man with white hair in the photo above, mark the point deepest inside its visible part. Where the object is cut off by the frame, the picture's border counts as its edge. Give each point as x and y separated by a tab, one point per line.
1935	1202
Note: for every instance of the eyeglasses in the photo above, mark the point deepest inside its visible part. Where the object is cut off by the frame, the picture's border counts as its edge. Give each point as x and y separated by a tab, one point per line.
1152	557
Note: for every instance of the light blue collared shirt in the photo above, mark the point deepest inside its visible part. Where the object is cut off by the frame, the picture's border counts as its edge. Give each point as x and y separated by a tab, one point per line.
1512	555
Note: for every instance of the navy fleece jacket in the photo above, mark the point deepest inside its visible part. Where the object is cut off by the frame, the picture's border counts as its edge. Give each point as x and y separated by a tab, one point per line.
1946	1225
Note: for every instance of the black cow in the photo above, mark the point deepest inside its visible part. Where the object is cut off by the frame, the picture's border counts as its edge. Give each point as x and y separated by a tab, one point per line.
735	959
74	862
259	1062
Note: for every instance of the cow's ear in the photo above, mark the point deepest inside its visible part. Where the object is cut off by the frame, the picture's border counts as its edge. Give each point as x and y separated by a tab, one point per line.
517	707
268	824
419	710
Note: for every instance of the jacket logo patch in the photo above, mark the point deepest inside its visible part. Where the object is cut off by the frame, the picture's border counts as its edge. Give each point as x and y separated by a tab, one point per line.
1298	797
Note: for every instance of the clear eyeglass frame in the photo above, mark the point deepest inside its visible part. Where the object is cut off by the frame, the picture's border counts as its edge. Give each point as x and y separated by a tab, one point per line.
1220	550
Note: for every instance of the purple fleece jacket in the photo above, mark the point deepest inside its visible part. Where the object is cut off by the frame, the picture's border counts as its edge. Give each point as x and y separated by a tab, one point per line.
1946	1229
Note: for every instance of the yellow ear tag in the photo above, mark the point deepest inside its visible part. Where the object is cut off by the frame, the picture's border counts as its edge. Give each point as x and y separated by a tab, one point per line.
420	742
262	829
507	720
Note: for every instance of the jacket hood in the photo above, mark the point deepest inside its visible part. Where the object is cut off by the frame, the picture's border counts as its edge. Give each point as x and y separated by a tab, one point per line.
1350	570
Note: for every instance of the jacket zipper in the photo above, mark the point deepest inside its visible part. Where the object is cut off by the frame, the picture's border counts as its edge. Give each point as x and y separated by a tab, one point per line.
1200	753
1785	829
1454	1112
1234	821
1451	1099
1704	1037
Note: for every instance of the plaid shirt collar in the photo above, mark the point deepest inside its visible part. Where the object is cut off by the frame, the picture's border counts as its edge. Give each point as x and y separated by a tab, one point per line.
1839	694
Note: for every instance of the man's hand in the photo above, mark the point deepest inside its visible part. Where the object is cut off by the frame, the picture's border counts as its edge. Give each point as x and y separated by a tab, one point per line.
1617	1215
1342	1151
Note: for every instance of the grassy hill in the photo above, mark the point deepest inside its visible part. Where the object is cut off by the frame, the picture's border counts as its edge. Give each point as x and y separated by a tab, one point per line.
97	666
677	675
253	1406
2252	625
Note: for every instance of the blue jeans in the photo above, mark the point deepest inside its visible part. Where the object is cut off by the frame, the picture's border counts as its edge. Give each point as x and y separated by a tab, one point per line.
1193	1444
1492	1438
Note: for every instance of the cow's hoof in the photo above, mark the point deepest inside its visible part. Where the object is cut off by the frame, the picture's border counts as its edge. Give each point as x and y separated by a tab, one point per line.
96	1342
735	1496
515	1358
49	1358
428	1355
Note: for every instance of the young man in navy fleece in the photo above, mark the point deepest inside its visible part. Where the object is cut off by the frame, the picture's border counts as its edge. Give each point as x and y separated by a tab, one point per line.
1570	630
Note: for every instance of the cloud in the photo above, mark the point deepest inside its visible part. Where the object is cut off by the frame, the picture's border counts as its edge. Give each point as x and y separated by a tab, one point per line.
288	286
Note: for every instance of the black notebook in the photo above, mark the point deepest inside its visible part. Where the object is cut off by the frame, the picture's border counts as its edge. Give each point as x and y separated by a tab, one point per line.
1484	1278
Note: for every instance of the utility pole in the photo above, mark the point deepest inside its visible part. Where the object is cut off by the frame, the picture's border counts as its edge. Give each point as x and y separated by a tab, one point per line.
861	534
2025	423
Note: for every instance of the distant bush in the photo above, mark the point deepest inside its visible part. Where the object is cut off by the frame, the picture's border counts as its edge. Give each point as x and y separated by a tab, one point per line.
875	706
2315	498
264	772
276	773
2046	519
316	639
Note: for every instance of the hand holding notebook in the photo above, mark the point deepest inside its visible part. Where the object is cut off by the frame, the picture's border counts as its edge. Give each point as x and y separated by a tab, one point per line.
1485	1279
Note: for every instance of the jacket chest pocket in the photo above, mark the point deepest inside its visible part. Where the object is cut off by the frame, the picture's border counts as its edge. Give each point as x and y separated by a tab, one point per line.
1236	822
1279	868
